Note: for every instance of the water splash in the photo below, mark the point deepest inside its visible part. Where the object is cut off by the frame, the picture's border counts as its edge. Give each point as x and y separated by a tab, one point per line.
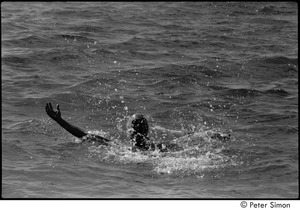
201	152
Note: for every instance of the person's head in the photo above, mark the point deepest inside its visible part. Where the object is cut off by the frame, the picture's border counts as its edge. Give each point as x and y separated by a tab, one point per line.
137	125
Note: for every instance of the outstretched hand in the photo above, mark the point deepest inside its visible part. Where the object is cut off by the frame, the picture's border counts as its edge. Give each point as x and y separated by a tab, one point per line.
55	115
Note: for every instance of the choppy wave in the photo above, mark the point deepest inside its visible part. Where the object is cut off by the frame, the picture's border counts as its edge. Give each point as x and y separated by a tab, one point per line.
191	68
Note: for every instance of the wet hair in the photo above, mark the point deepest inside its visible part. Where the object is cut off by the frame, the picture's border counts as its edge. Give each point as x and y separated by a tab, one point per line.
138	123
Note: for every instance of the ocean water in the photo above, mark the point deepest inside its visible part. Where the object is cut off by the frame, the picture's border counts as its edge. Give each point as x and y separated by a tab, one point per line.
193	68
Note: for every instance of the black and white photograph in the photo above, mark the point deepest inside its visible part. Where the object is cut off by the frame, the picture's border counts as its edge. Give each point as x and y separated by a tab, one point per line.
150	100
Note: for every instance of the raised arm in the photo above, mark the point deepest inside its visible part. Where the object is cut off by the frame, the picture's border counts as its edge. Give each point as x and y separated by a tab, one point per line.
56	115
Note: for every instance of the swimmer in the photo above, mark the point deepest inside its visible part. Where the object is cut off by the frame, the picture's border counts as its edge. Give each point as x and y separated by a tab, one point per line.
137	128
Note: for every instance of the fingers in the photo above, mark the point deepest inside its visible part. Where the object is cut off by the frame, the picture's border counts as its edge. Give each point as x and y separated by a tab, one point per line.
53	114
48	107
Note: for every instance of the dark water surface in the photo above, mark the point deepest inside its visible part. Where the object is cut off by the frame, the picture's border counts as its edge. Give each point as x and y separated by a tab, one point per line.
191	68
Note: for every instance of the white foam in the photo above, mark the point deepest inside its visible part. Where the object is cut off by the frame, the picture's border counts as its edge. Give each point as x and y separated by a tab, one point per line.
200	153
